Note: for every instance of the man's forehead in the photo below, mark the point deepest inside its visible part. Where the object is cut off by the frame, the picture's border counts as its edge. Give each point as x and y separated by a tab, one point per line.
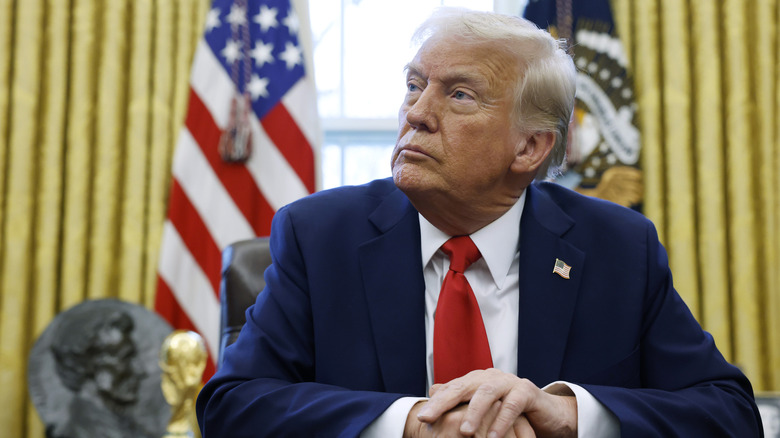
447	73
474	65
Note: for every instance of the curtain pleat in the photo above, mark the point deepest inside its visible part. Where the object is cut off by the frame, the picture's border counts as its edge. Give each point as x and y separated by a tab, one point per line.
765	56
106	191
647	81
50	156
676	100
710	174
79	139
772	328
6	61
741	156
20	211
133	219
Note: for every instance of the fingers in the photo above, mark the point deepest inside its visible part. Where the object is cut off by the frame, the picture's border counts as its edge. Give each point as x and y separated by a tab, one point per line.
518	400
444	398
522	428
480	389
483	400
511	409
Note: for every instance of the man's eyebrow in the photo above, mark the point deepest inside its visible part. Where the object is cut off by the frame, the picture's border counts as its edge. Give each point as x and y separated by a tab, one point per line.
457	76
411	69
468	77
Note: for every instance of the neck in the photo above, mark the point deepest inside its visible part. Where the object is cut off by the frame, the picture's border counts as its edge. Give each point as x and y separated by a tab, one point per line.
457	218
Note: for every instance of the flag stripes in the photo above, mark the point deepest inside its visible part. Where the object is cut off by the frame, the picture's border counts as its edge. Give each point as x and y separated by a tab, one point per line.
236	178
282	129
195	235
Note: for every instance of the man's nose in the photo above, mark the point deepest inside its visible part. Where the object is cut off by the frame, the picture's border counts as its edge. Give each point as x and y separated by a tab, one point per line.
423	113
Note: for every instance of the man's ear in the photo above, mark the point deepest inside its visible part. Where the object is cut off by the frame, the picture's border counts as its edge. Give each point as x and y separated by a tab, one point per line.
532	150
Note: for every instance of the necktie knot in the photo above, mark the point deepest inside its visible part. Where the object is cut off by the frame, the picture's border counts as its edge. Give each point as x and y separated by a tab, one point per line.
462	252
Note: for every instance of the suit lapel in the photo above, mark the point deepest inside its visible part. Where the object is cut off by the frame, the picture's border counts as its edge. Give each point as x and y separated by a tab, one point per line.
547	300
391	265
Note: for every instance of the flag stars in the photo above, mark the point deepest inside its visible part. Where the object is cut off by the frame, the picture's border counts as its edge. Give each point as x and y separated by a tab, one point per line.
237	16
267	18
232	51
257	87
212	20
292	55
292	22
262	53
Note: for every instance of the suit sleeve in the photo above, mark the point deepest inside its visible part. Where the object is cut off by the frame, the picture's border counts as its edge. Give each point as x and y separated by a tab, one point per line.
267	385
685	388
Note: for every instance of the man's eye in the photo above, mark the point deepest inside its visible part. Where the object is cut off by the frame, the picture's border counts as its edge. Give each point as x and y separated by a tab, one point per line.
460	95
412	87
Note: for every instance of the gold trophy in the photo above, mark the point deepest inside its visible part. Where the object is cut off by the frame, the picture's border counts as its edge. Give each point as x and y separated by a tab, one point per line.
182	360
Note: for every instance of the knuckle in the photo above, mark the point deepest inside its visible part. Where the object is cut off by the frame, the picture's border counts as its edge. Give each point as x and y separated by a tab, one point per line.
514	405
487	389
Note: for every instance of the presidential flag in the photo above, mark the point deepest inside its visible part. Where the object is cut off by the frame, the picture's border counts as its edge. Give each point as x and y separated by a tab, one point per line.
603	152
247	148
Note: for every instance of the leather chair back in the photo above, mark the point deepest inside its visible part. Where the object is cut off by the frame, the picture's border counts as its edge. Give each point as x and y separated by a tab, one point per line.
243	265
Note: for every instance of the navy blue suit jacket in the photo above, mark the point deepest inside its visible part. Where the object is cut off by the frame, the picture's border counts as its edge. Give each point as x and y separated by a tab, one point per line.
338	333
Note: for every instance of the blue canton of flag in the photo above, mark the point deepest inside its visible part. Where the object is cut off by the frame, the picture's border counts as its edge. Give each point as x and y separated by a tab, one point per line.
273	49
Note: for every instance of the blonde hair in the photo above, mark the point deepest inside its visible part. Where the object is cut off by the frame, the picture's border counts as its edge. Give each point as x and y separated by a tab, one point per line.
544	95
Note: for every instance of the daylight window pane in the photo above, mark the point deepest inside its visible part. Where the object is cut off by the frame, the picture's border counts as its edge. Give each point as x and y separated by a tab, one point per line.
482	5
326	36
376	48
331	157
363	163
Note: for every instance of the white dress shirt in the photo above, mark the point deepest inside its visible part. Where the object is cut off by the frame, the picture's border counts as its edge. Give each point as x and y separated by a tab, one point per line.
495	281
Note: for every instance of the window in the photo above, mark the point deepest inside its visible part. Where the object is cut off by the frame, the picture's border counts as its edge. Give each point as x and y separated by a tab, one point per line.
360	48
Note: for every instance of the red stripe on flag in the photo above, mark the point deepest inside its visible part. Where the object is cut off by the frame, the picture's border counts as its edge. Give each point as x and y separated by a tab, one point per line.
166	305
282	130
236	178
195	235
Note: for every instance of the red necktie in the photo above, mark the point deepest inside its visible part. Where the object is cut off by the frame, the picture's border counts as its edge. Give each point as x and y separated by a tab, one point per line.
460	343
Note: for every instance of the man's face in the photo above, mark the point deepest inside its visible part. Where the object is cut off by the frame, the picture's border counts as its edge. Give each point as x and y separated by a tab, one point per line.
118	371
457	135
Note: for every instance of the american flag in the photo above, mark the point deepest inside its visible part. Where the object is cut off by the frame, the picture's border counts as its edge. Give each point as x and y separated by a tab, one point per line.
561	268
251	53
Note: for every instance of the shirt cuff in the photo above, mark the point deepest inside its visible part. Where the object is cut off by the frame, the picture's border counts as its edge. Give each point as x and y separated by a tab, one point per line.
392	421
593	418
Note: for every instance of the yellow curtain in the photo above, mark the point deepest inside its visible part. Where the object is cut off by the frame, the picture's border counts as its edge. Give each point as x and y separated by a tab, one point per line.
707	75
92	96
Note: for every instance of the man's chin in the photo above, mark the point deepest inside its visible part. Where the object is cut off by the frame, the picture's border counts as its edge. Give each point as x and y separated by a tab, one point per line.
417	186
408	179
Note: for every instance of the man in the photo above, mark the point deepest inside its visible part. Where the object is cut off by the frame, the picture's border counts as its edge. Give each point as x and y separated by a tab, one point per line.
577	300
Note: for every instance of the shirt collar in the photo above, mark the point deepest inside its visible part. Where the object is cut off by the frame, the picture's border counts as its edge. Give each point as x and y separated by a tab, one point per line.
497	241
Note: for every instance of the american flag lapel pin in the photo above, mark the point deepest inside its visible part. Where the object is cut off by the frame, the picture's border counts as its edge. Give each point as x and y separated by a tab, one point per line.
561	268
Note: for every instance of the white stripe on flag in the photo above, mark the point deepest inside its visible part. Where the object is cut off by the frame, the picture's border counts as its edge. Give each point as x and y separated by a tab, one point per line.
224	220
274	176
190	286
212	83
298	104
